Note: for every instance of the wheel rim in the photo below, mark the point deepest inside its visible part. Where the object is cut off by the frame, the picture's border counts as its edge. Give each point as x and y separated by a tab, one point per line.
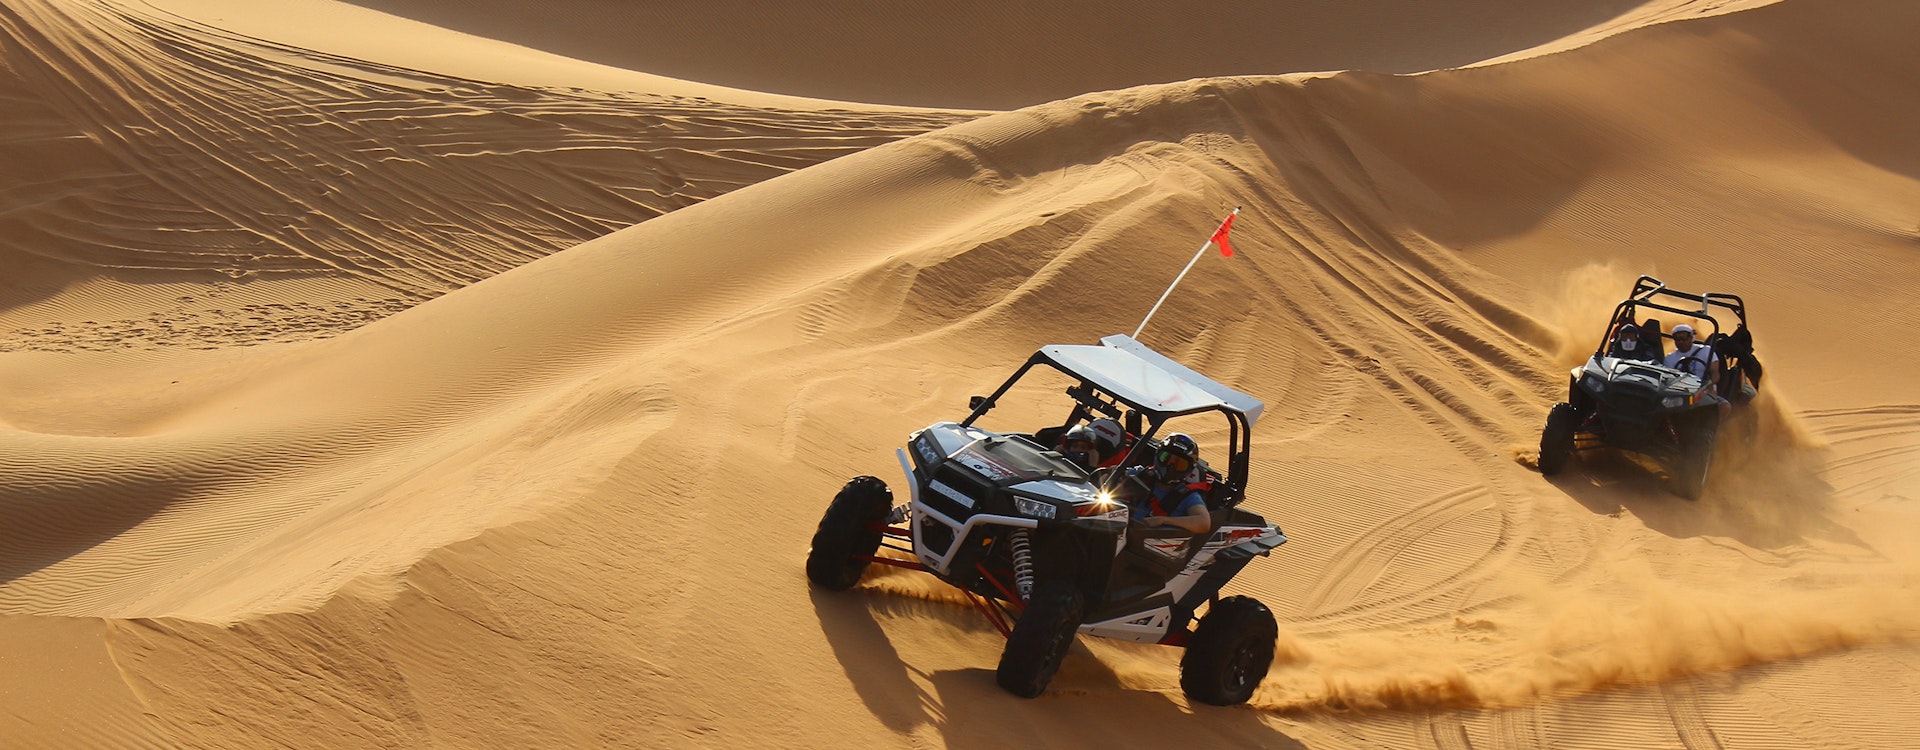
1057	649
1240	668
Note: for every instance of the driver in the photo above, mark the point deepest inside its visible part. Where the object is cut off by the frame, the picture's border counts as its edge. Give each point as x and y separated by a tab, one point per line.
1175	483
1692	358
1080	446
1697	359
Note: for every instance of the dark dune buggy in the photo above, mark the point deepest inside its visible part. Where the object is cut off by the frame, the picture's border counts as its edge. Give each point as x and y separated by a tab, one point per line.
1045	550
1669	414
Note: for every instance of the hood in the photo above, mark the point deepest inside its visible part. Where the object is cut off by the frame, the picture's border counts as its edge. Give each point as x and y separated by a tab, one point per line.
1626	373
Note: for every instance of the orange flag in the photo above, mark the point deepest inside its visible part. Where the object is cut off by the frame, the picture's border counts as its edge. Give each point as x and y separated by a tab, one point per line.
1220	236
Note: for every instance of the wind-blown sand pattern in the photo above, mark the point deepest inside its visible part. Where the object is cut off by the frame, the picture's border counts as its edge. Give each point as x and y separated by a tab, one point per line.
368	384
152	150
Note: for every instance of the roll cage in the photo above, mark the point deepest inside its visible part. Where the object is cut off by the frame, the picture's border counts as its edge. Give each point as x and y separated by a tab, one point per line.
1125	381
1649	292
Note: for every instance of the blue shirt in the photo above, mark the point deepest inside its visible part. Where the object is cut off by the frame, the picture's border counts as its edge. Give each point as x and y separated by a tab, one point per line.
1165	493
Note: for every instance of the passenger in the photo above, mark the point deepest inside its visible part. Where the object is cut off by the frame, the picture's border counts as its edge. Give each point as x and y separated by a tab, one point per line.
1650	338
1176	484
1736	358
1627	345
1112	441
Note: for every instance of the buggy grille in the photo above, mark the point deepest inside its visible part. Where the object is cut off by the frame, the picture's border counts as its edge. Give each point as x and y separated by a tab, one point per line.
936	536
1632	404
964	482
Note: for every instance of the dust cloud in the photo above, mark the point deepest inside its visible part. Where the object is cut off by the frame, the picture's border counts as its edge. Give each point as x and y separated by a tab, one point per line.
1585	646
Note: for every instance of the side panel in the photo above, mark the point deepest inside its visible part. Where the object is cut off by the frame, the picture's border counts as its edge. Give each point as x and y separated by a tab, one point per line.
1140	627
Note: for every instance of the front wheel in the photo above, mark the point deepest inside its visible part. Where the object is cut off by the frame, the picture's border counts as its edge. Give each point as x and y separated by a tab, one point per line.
1697	437
1230	652
847	534
1040	639
1045	630
1556	441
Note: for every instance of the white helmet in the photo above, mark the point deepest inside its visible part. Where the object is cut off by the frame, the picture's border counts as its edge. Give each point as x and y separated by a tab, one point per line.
1107	435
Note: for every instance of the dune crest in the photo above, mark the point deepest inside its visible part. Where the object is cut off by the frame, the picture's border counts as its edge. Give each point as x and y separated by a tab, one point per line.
537	462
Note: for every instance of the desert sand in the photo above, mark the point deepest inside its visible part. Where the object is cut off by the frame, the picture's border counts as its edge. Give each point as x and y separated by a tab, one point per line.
399	373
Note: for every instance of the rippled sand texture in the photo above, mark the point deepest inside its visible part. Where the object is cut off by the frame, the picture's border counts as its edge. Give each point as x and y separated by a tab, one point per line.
369	383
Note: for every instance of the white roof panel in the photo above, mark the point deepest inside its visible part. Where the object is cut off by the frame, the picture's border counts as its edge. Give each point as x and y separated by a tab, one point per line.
1128	369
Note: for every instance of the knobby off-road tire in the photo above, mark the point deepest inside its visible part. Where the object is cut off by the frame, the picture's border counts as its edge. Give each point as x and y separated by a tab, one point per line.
1556	441
1230	652
1697	436
846	533
1041	638
1045	630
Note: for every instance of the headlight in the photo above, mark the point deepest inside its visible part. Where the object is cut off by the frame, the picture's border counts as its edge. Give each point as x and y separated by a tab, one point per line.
1036	508
929	455
1103	504
1674	402
1598	385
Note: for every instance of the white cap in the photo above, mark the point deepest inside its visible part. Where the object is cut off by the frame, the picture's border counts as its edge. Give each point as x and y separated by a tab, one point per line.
1683	327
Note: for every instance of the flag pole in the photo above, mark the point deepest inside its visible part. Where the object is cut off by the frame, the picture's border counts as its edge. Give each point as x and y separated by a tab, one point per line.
1183	272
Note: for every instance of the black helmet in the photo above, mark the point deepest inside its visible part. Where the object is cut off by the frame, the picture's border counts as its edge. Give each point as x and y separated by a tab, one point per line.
1177	455
1081	433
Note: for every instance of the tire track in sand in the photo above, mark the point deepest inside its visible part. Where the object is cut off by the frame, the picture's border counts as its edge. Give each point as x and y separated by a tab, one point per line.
1338	598
1875	445
162	150
1683	706
1448	732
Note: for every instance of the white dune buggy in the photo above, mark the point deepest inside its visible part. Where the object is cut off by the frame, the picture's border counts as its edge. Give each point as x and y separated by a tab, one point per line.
1045	549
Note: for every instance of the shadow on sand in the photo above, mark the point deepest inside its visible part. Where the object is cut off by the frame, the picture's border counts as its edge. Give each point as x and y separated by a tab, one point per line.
1764	493
1085	705
46	526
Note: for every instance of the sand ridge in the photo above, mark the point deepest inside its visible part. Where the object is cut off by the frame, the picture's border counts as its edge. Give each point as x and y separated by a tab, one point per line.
990	56
368	188
560	492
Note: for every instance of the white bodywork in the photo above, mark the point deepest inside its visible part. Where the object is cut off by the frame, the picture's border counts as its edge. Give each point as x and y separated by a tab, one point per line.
1151	625
1123	366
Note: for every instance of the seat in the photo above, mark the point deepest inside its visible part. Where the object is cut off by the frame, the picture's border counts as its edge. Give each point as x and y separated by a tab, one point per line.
1658	339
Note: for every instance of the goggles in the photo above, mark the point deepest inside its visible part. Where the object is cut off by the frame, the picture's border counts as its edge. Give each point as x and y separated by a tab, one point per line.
1175	461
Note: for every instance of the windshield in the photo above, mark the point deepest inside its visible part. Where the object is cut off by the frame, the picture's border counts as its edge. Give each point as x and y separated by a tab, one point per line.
1019	459
1038	401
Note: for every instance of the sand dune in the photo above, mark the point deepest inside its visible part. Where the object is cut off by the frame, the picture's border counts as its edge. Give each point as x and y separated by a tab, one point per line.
995	56
344	403
195	187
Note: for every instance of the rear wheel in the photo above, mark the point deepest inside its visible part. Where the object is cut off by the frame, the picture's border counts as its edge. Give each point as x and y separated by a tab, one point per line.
1746	421
1230	652
1556	441
846	533
1697	436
